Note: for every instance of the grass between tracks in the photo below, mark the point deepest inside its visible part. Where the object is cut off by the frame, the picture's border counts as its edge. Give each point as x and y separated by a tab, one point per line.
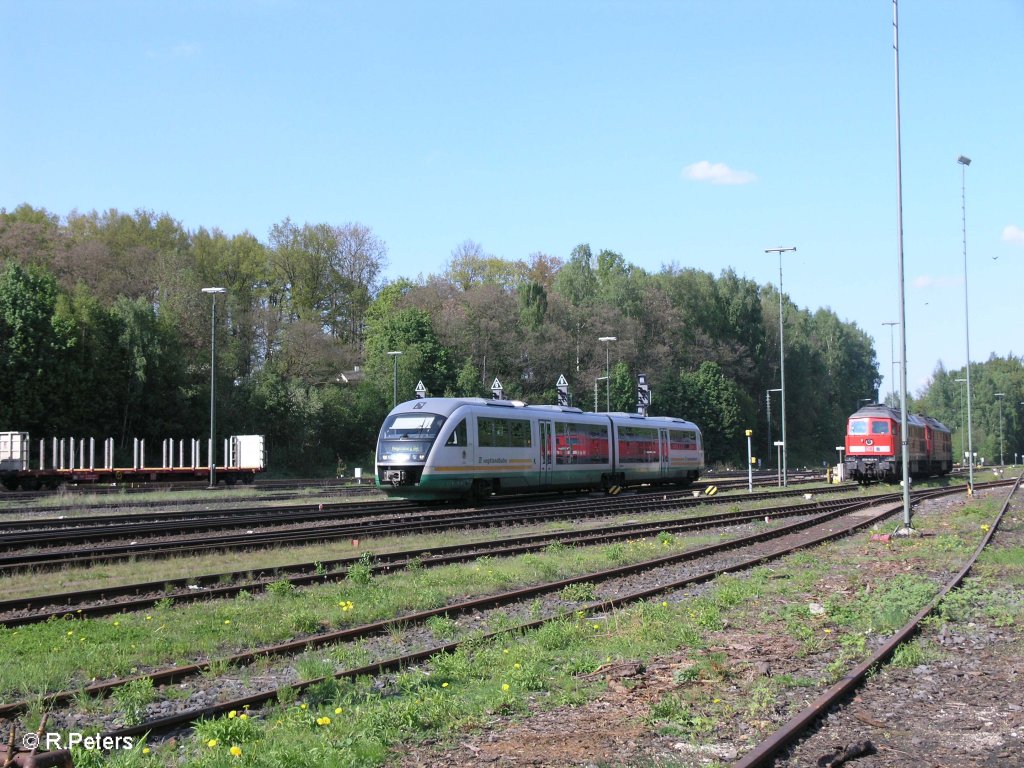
810	616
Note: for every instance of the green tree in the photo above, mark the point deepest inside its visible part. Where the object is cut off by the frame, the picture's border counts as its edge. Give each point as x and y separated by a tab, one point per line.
32	342
714	403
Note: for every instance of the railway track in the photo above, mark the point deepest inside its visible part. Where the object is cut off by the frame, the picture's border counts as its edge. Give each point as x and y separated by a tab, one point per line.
109	600
737	554
24	503
61	547
765	753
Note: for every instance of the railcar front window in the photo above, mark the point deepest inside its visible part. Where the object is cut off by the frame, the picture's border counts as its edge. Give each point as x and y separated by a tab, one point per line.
858	426
879	427
407	437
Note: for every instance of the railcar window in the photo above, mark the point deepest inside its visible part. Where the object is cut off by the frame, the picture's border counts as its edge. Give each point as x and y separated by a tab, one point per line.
503	433
879	427
458	435
683	440
581	443
638	445
858	426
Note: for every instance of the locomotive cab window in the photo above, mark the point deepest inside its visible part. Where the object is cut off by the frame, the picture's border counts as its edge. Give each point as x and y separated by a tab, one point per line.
858	426
458	435
879	427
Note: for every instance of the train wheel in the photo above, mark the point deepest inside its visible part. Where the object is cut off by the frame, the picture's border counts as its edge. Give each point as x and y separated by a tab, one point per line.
11	483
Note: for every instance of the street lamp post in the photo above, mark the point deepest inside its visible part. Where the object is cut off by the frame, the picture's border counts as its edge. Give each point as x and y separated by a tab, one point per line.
782	364
1000	395
892	355
596	380
768	397
963	425
964	162
607	372
394	357
213	362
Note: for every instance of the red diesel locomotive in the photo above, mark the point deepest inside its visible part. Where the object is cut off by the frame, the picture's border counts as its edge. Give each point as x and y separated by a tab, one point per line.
873	445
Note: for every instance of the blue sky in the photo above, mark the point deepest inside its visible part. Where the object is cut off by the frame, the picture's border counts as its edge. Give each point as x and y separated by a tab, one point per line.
688	133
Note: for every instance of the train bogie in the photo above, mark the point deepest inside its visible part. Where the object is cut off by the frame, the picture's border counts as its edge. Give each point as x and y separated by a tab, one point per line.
442	448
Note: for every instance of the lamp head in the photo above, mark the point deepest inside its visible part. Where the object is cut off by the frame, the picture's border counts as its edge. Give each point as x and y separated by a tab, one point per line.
964	160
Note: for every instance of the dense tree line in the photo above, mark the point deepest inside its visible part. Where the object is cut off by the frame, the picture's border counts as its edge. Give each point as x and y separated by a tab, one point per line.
105	331
997	408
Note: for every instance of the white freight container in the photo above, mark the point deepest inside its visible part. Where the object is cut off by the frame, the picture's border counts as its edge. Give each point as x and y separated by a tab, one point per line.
13	451
247	452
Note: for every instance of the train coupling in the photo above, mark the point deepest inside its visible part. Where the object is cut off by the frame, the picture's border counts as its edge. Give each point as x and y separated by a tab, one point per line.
398	477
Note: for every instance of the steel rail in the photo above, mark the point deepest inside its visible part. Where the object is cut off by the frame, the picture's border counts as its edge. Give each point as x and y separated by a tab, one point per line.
214	586
30	531
373	526
174	674
184	719
768	750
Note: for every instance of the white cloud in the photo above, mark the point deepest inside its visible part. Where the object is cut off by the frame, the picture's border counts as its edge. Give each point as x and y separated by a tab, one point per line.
1013	234
717	173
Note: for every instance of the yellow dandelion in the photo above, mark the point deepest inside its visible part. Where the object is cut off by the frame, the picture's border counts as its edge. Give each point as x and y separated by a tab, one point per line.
71	632
984	527
227	621
337	710
243	716
149	618
232	714
323	721
146	750
828	631
444	685
211	743
117	623
505	651
303	706
517	665
664	604
597	626
504	686
716	701
236	751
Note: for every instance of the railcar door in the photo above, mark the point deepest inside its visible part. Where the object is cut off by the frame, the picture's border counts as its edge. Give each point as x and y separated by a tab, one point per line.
546	429
665	452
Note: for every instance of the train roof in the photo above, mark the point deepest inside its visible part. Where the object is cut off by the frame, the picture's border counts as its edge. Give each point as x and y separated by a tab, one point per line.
879	411
446	406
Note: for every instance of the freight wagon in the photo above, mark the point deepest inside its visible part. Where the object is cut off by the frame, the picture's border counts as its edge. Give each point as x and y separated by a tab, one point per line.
74	461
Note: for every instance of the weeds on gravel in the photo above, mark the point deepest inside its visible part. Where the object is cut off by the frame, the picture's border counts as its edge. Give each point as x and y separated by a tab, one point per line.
132	699
981	600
